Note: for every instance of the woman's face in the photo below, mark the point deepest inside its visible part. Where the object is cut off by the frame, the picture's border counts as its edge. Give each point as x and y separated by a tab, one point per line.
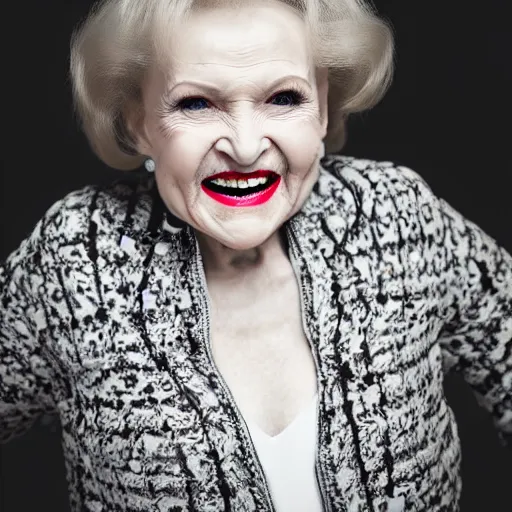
235	125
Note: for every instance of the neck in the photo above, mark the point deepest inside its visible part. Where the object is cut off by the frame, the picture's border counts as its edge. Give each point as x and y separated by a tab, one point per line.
222	261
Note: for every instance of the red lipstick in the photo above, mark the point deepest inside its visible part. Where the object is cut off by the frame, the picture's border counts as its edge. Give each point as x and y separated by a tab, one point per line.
260	196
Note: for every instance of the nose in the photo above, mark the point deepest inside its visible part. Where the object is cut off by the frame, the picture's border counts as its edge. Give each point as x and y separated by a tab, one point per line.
245	143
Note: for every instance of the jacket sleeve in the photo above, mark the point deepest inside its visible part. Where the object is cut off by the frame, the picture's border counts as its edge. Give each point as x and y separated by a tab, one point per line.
476	340
27	379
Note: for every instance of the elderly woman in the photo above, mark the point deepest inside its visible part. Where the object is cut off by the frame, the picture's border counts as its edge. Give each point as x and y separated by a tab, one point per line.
249	326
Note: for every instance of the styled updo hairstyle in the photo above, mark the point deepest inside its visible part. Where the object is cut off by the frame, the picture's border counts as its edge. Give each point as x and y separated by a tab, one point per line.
118	42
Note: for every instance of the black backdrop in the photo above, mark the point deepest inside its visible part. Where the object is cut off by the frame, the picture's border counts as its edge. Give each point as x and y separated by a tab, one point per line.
447	116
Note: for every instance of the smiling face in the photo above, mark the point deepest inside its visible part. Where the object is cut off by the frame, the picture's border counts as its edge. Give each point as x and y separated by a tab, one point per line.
235	124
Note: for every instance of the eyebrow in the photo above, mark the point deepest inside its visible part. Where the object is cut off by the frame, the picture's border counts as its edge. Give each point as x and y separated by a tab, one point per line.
212	89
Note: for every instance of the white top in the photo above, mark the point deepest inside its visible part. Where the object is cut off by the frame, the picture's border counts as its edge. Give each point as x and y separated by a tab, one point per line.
288	461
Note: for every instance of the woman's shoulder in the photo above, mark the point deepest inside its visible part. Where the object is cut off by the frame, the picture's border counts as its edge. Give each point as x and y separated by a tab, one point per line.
94	211
371	175
375	189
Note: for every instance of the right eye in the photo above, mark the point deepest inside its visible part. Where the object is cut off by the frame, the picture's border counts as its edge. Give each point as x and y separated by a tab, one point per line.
193	104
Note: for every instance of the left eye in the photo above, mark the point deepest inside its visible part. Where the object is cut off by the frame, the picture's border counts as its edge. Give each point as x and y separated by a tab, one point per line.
287	98
193	104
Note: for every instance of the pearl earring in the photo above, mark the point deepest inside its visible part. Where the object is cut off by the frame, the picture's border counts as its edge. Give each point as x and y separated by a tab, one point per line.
322	150
149	164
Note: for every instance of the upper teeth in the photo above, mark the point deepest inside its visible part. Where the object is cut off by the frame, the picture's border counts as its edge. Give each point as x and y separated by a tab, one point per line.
251	182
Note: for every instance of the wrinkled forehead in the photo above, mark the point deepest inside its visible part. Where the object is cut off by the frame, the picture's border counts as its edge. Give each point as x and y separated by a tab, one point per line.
258	41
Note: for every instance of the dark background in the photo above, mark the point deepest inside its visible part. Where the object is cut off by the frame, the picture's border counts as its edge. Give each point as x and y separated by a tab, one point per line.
447	116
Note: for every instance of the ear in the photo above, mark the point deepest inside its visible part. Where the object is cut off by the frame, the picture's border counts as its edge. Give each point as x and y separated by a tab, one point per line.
322	86
134	118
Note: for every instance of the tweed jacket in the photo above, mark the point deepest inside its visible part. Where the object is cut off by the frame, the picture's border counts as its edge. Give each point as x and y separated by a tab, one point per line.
104	320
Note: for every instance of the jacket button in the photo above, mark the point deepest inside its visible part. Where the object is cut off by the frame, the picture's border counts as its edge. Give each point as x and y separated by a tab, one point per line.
161	248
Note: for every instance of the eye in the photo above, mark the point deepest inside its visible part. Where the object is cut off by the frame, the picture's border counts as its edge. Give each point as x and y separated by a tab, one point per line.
288	98
193	104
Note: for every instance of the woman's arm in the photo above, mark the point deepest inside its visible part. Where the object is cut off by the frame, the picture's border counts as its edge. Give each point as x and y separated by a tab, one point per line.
476	340
27	380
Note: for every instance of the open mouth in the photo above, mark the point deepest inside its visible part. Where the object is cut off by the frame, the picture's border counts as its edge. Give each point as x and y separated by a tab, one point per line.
237	184
238	189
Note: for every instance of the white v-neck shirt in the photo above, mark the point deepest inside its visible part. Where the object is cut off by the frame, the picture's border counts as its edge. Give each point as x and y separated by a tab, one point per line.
288	461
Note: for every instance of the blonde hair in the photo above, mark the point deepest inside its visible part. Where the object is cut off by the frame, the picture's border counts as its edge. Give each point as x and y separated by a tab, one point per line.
112	50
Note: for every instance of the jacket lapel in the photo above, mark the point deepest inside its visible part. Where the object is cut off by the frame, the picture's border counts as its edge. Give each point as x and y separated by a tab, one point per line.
215	451
334	267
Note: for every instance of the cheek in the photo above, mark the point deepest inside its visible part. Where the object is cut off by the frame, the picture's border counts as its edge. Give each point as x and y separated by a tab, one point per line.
299	141
180	154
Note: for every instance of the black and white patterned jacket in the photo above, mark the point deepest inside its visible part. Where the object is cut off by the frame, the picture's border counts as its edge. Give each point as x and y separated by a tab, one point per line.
104	319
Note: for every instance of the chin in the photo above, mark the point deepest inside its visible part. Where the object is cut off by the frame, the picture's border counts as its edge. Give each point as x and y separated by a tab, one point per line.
246	241
246	237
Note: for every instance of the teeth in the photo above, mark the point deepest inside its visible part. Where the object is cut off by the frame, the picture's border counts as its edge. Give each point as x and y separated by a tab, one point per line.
251	182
